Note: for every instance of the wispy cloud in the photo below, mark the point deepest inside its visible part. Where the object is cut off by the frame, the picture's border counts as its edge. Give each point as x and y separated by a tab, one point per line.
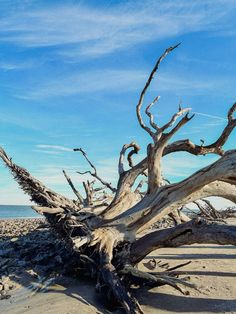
54	148
88	31
14	66
49	152
210	116
86	82
114	80
58	34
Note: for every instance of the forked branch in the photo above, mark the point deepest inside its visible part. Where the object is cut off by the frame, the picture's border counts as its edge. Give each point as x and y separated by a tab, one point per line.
141	98
94	173
167	198
126	181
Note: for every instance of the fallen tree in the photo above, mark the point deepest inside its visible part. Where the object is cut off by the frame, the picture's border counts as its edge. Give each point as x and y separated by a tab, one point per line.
109	232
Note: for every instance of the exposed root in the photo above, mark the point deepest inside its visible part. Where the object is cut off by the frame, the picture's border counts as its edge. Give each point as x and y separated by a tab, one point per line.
106	239
111	280
154	279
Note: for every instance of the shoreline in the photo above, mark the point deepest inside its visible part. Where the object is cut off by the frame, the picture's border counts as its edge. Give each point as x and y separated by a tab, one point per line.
17	211
21	218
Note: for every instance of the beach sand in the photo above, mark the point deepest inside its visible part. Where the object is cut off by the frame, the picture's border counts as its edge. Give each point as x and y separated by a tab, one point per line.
37	290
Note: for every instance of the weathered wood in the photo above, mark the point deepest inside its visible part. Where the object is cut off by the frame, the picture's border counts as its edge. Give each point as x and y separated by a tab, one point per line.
80	198
104	231
195	231
94	174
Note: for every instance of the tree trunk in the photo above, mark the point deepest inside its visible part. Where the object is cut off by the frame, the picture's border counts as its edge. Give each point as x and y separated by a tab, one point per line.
105	232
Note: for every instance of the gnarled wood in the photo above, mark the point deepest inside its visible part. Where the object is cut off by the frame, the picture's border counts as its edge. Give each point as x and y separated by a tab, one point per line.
104	230
195	231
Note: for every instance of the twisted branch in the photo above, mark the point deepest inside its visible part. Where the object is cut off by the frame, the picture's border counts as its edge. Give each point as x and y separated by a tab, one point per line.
135	150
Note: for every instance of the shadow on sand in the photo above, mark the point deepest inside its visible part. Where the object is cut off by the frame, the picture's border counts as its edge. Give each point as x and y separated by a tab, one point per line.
35	262
186	304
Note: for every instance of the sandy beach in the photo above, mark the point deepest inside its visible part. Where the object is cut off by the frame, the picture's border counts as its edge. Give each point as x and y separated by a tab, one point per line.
30	256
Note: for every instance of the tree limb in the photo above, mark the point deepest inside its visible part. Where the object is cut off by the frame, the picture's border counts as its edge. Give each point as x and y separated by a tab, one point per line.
128	178
167	198
150	115
80	198
135	150
195	231
94	174
140	102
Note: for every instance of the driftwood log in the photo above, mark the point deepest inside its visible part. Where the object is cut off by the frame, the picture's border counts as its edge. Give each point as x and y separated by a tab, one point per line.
109	230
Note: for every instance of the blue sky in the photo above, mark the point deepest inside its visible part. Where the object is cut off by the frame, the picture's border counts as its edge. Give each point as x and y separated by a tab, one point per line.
71	73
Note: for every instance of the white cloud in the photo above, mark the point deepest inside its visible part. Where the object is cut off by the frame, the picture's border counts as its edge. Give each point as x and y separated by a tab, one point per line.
53	148
79	30
49	152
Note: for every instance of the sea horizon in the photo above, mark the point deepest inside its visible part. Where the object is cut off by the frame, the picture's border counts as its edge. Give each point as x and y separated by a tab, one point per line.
17	211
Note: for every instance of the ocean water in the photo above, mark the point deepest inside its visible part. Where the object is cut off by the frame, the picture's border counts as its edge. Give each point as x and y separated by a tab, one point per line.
17	211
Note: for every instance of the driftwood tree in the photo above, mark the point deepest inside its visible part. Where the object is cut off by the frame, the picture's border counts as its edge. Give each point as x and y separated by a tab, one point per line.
109	233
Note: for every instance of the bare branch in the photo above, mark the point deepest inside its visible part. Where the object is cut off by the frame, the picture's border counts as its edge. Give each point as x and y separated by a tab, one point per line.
84	172
180	113
140	102
126	181
94	174
231	112
186	146
131	153
202	209
80	198
150	115
155	151
139	186
135	150
47	210
88	187
167	198
160	138
86	157
213	212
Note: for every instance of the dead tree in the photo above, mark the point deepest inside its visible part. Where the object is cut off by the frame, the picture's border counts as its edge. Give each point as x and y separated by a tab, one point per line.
112	242
208	211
